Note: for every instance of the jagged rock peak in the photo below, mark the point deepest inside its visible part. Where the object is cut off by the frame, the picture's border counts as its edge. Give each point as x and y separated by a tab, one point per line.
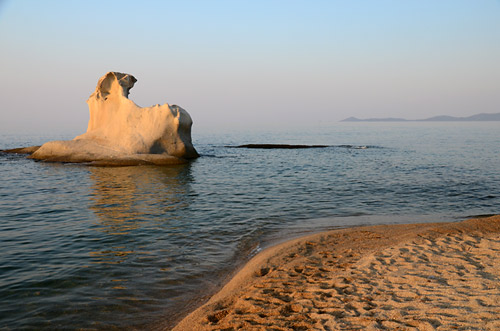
113	83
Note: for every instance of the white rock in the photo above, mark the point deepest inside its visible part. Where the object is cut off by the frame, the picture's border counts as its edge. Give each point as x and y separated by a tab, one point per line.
120	132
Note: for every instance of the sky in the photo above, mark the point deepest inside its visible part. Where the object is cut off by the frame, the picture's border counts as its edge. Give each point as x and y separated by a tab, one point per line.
250	64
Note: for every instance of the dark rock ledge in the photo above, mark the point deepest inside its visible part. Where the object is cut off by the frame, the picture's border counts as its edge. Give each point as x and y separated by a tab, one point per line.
277	146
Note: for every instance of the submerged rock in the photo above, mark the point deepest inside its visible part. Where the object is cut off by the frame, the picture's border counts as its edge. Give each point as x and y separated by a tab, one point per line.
121	133
278	146
22	150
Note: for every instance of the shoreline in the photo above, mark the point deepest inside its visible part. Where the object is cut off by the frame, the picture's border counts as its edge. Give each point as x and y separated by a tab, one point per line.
382	276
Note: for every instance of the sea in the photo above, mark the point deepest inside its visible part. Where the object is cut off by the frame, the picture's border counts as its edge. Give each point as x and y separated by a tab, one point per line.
138	247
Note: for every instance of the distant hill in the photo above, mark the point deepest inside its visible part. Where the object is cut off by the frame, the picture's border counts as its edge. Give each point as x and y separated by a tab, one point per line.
387	119
473	118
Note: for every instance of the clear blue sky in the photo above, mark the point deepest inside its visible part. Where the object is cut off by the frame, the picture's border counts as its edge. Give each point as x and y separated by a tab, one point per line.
250	63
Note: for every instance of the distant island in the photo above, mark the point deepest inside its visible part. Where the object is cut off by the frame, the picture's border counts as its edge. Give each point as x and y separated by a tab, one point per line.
473	118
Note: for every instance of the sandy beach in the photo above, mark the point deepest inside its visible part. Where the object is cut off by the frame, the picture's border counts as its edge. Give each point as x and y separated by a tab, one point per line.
435	276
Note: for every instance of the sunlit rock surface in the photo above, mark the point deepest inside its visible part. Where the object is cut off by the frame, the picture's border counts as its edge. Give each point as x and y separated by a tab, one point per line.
122	133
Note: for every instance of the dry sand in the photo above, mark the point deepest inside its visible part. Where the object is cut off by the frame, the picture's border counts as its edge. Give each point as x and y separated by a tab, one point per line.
441	276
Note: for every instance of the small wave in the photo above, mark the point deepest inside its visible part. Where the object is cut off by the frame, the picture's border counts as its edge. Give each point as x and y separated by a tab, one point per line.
255	250
476	216
213	156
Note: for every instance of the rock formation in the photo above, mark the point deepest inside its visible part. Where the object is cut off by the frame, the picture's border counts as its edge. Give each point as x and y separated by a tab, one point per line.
121	133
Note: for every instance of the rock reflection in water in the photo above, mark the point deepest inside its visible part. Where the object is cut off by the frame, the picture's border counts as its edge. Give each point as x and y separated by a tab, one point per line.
131	201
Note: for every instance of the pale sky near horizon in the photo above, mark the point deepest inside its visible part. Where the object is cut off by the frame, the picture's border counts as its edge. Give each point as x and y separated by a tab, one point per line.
249	64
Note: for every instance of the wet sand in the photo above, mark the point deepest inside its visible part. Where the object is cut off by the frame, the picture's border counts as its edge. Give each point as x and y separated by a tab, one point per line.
434	276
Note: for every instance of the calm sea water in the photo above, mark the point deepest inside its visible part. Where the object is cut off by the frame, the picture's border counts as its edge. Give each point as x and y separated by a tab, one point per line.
136	247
